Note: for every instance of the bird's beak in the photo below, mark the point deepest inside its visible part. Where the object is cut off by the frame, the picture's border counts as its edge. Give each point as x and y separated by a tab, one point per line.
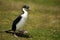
29	9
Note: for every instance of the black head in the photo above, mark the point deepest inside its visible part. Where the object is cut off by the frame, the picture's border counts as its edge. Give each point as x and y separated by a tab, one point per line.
26	6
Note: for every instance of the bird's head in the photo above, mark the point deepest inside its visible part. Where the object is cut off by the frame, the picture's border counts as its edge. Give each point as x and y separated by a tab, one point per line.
26	7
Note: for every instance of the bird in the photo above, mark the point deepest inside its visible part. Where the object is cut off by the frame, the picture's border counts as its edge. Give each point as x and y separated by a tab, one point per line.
19	22
21	19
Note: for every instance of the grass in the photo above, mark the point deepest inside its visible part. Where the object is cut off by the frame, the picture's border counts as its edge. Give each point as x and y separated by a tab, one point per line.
43	22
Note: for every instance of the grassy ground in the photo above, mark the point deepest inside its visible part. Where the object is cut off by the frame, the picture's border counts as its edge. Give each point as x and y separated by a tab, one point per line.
43	22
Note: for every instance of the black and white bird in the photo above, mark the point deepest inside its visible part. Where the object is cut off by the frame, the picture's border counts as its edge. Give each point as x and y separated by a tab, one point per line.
19	22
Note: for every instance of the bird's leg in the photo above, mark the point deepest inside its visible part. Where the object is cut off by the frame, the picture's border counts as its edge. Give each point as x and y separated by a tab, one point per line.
15	34
23	31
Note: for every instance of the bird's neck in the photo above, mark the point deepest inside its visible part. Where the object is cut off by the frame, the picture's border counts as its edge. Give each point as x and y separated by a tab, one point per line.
24	11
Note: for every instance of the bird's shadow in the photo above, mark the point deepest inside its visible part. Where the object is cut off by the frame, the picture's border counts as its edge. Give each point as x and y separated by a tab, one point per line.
19	34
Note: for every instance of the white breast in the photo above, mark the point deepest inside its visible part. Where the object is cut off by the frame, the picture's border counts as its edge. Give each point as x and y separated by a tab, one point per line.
21	23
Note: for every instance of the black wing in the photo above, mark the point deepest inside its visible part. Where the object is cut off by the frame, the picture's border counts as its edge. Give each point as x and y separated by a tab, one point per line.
15	22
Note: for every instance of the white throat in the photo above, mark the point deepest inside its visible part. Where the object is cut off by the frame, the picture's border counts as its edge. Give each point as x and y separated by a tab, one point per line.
25	13
24	10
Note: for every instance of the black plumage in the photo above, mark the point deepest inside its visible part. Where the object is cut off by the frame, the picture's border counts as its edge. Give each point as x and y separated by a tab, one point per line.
15	22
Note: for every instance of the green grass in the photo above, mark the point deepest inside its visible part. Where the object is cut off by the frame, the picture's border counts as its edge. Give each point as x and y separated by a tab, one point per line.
43	22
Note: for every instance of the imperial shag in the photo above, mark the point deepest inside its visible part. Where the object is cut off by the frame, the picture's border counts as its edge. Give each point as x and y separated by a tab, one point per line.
19	22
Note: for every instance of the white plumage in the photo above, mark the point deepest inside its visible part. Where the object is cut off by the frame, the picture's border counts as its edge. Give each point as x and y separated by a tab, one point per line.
21	23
